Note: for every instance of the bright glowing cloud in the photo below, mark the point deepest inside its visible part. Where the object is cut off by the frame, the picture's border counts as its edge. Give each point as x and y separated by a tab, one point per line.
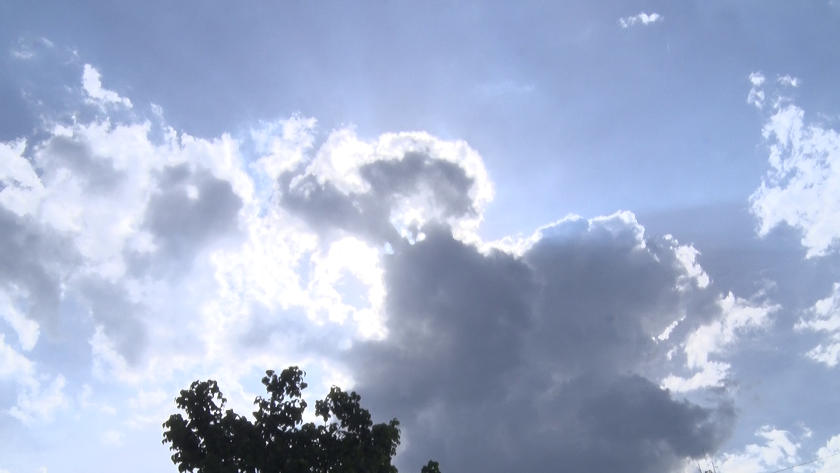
182	225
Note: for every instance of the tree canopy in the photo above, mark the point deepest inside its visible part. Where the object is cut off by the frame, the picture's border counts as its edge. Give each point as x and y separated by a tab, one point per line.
214	440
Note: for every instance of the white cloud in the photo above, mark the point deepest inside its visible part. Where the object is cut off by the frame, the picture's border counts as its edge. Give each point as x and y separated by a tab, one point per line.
348	257
687	255
641	18
778	451
789	81
738	315
756	95
284	144
93	86
94	183
828	455
802	188
34	404
825	317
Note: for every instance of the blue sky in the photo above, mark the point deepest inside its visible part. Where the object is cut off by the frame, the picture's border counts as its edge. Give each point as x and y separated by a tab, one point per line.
539	234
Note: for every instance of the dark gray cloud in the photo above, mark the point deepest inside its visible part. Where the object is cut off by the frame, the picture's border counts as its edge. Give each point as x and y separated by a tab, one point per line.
457	323
604	296
325	208
543	362
36	260
189	209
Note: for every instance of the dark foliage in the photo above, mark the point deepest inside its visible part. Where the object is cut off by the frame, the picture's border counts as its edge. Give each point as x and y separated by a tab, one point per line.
214	440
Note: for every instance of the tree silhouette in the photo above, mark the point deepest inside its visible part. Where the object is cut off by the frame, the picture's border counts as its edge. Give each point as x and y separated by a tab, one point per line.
214	440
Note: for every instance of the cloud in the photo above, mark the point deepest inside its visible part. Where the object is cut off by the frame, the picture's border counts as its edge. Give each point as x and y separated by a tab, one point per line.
825	317
27	48
802	190
641	18
99	95
738	316
828	454
155	234
186	210
386	189
176	257
756	95
778	451
540	359
803	184
789	81
33	265
34	404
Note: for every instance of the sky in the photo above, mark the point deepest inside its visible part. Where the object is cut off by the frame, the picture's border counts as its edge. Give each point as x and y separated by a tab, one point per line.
545	236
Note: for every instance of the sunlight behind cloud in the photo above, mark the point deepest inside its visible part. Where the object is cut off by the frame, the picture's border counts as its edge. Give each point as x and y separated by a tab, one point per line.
139	257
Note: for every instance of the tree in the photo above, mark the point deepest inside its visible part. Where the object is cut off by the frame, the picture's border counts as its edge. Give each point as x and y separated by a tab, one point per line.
214	440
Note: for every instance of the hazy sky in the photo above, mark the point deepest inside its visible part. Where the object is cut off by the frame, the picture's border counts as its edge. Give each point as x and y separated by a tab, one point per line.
546	236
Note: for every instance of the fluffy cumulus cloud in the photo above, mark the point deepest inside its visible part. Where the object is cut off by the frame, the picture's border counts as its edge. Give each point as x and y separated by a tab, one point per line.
174	257
802	190
179	255
802	187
